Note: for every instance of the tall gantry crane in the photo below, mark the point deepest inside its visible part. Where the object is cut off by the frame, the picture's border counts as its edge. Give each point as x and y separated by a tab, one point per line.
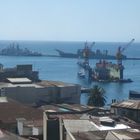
120	51
87	50
120	56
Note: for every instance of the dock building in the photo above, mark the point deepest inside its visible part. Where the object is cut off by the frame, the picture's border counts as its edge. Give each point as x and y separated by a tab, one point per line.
18	72
23	84
37	93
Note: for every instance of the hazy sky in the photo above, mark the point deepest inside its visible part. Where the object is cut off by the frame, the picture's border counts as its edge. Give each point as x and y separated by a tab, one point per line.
70	20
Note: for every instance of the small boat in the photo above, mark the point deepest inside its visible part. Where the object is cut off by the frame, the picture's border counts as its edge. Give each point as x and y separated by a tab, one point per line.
81	73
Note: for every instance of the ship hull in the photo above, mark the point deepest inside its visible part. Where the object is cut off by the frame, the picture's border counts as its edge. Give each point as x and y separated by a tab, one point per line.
91	56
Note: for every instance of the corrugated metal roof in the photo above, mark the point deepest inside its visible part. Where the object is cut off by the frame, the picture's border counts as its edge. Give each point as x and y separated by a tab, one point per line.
35	123
5	135
20	81
65	116
90	135
130	104
101	135
54	83
11	110
75	107
127	134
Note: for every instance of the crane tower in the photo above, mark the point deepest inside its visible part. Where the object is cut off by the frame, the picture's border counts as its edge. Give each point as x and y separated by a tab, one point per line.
119	56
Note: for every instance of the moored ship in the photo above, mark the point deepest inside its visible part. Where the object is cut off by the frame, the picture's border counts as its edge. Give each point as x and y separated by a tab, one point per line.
14	50
98	54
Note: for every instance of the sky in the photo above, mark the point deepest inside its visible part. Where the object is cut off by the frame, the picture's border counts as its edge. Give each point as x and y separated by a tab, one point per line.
70	20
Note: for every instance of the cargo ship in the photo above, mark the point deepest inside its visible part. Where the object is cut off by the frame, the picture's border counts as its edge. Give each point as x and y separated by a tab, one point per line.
104	71
98	54
14	50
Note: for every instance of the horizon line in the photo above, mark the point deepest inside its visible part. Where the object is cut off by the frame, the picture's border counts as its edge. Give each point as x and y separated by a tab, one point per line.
33	40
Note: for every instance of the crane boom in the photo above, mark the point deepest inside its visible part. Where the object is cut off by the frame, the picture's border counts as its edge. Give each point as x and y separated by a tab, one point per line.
91	45
128	44
119	54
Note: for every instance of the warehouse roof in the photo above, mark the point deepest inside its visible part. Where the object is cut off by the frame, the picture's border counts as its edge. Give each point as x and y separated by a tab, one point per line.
130	104
11	110
101	135
25	82
46	83
79	125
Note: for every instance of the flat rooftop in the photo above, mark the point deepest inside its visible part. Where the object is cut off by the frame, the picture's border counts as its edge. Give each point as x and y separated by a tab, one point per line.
19	80
67	107
10	85
52	114
79	125
101	135
130	104
46	83
23	82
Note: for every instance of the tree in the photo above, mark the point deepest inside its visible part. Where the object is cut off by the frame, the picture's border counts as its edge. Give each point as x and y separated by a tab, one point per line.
96	96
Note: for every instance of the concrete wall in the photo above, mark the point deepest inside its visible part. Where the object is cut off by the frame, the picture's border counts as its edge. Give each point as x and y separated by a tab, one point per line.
20	122
45	119
37	131
27	94
114	73
31	95
72	93
27	131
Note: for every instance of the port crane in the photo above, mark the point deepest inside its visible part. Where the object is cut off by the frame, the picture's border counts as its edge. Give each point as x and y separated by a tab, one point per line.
121	49
120	56
87	50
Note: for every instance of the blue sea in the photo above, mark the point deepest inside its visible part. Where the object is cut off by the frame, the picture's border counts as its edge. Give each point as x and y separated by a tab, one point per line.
65	69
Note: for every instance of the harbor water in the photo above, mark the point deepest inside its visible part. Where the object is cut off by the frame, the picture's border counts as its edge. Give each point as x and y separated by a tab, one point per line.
65	69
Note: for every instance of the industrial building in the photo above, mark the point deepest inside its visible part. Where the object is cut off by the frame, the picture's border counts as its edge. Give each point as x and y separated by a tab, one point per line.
37	93
23	84
18	71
